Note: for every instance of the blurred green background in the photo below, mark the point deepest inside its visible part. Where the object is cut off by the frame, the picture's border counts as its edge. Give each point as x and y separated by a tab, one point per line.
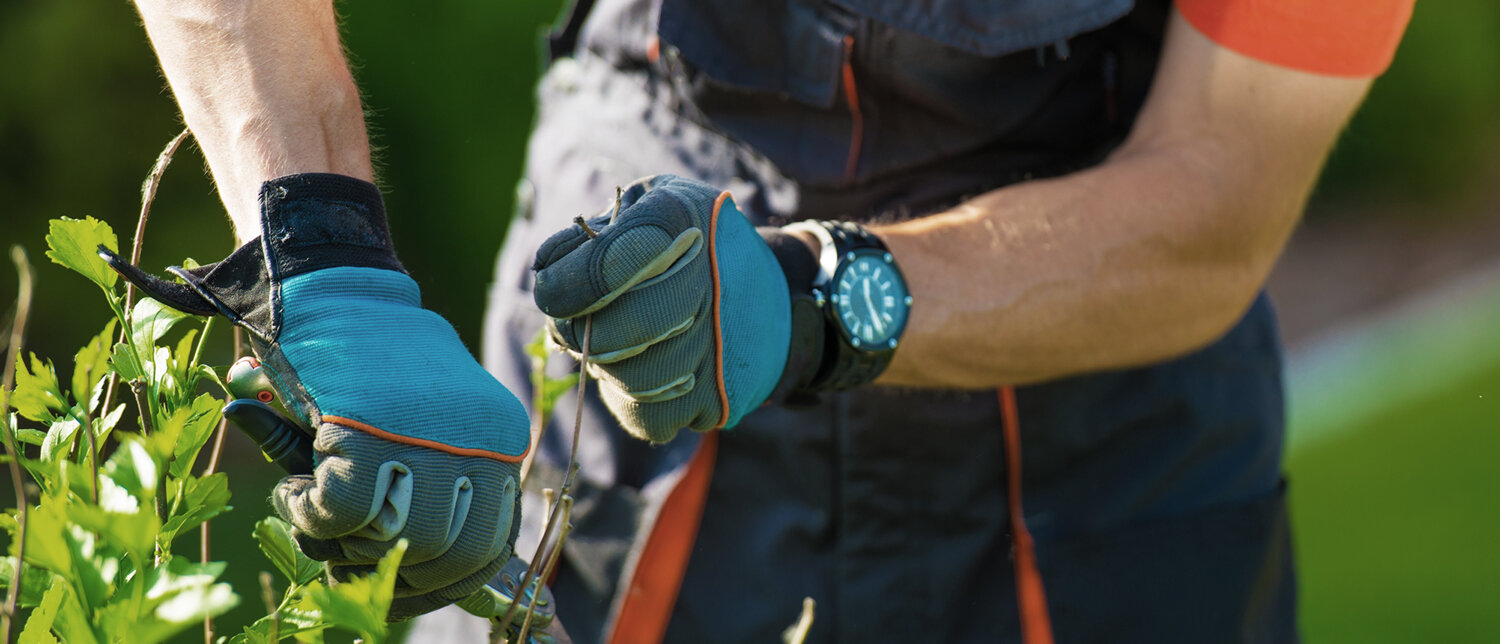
1398	524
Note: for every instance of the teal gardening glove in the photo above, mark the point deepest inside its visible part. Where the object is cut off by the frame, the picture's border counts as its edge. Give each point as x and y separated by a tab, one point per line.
692	317
413	438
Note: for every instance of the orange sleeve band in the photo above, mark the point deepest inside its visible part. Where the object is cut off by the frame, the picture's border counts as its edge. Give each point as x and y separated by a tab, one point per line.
1355	38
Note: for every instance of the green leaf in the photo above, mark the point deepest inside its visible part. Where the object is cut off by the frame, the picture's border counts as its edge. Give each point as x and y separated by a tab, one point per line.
547	389
46	542
31	436
275	539
360	604
59	441
132	468
39	625
34	581
150	320
191	426
132	531
72	622
202	499
74	243
37	395
292	622
106	424
178	595
91	363
125	362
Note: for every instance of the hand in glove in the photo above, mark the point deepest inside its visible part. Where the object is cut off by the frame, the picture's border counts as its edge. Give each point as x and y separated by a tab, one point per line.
691	309
414	438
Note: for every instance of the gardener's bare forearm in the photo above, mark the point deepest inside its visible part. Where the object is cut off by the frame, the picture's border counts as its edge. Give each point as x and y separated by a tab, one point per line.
265	89
1154	253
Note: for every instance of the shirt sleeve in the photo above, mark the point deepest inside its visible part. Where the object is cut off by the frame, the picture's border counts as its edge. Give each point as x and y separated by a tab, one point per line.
1354	38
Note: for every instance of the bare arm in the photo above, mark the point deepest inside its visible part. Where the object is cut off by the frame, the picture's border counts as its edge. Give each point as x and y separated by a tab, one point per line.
264	87
1154	253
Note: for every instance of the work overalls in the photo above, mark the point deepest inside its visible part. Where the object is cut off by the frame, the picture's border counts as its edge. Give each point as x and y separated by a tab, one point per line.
1153	494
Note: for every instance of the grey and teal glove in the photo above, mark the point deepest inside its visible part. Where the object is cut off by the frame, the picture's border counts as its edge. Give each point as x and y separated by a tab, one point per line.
413	438
691	309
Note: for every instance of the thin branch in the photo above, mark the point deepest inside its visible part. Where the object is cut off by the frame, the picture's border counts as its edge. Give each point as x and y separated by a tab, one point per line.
148	428
567	528
88	430
797	633
565	499
268	595
213	465
148	195
17	334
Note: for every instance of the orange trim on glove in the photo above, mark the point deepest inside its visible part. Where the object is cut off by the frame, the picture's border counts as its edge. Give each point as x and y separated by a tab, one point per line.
407	440
713	267
1355	38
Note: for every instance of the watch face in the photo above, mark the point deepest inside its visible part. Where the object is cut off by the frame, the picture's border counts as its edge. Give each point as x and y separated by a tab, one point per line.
870	299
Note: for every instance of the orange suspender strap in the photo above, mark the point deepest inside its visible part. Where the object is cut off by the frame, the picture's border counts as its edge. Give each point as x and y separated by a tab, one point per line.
1036	625
851	95
1355	38
652	591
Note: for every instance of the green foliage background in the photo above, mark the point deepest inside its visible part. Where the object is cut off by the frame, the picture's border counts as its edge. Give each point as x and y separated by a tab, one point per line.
83	112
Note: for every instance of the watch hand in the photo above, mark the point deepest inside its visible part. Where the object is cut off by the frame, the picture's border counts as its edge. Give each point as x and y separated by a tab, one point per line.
874	315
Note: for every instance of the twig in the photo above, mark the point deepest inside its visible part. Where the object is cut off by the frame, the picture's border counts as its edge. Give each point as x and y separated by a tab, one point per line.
88	430
567	528
17	334
148	195
268	595
797	633
213	465
148	428
583	381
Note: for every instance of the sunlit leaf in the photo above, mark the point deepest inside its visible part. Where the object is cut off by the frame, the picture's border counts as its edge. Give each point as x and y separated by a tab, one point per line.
361	604
192	605
106	424
37	395
125	362
132	468
150	320
191	426
72	623
31	436
46	544
134	531
275	539
74	243
202	499
59	441
34	581
39	625
91	363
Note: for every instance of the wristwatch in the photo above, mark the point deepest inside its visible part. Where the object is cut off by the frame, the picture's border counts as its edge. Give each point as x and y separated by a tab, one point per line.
863	300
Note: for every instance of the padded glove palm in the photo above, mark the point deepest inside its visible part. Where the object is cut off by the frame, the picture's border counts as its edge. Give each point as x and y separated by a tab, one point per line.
691	310
414	439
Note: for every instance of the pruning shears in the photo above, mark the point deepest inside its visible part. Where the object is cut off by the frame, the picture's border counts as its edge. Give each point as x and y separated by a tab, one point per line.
257	409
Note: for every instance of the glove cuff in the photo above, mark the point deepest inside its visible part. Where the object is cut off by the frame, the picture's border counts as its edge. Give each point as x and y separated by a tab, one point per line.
799	263
314	221
308	222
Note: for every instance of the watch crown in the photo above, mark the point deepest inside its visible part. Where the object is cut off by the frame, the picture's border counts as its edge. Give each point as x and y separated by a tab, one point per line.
887	257
908	300
891	344
854	341
849	256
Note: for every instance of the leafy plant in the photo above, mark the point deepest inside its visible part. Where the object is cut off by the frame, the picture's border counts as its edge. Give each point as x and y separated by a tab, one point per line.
96	544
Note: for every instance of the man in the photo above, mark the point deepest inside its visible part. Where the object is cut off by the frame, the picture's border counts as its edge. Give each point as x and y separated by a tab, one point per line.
1084	200
1122	292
